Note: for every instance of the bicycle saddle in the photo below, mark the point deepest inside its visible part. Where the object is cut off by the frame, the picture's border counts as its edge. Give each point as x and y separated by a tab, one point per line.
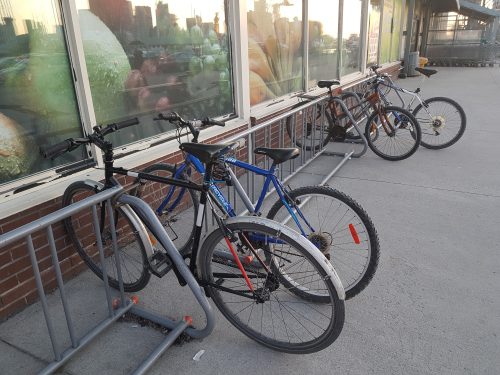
279	155
206	153
426	72
324	83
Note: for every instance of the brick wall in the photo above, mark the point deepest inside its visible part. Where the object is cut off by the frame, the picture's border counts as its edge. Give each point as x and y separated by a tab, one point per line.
17	284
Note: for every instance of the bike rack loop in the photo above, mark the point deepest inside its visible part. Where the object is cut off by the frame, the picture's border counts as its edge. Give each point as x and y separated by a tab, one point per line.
62	356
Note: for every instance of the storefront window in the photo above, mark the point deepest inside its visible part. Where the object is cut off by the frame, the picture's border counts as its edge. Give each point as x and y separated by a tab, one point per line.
323	40
374	9
351	43
37	98
391	31
274	48
147	56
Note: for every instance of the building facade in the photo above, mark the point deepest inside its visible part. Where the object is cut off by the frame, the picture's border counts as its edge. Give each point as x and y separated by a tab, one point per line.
68	65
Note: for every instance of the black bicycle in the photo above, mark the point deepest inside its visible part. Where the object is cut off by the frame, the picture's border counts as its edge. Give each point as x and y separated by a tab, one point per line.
269	281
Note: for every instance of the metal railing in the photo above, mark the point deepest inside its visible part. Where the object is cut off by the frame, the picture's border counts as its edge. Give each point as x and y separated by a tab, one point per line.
285	130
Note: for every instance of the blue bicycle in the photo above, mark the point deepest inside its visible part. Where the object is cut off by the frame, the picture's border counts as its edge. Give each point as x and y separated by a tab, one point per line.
330	219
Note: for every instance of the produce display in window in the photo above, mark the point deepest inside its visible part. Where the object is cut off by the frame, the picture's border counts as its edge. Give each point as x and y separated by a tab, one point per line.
37	98
145	56
274	48
351	53
323	40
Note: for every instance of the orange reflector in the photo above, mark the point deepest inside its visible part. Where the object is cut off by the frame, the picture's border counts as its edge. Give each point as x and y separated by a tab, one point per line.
152	239
188	320
248	259
134	299
354	234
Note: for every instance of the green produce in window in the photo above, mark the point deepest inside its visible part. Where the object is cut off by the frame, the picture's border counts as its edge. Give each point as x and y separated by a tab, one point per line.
16	150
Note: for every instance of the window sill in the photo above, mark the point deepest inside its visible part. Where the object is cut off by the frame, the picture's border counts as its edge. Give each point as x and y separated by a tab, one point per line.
25	200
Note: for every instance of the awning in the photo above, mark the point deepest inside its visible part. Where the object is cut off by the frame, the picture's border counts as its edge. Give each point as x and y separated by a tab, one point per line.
474	10
441	6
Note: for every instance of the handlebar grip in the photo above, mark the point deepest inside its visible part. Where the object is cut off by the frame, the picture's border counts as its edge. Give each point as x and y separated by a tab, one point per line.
55	150
126	123
170	117
210	121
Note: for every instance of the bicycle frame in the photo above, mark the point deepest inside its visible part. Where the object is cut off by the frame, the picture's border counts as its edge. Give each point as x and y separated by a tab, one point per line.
223	203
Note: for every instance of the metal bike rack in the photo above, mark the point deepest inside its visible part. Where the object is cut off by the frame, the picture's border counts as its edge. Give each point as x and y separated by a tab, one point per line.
61	356
296	117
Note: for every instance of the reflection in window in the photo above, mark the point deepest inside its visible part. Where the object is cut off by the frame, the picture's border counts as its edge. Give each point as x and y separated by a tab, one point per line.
391	31
351	26
37	98
146	56
274	48
323	40
373	31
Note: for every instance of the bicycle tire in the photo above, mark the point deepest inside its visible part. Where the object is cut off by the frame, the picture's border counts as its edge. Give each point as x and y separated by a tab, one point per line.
327	318
430	135
353	225
302	142
356	109
178	220
409	132
133	259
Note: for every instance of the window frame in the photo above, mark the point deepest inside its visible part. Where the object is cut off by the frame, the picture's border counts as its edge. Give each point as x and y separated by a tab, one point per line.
148	149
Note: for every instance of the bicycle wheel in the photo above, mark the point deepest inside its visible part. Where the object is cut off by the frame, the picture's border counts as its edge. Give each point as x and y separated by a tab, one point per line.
393	133
133	259
337	225
280	319
179	214
358	113
311	135
442	121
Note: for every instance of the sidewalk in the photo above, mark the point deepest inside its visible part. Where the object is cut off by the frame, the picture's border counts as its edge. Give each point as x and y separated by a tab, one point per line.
432	308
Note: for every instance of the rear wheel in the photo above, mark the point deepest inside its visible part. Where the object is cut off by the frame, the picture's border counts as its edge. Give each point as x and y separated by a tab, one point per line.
312	132
132	255
341	229
442	121
273	315
393	133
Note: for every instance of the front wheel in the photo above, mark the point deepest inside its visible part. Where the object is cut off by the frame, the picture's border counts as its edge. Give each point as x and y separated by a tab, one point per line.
442	121
393	133
273	314
338	226
132	254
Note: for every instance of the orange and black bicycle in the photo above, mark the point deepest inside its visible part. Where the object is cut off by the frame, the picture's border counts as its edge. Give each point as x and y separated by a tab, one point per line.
391	132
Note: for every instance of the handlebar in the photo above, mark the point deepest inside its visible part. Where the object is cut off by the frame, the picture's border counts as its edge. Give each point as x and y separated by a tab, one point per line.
57	149
116	126
194	125
97	137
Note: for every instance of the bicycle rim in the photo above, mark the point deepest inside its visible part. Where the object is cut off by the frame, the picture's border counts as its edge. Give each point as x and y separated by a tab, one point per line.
283	321
339	228
132	255
393	133
442	122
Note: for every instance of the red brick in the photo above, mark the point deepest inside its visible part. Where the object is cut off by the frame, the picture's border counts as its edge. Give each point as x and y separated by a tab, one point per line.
8	283
18	292
8	310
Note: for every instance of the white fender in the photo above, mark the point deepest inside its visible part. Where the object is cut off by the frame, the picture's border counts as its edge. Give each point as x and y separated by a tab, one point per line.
302	241
132	216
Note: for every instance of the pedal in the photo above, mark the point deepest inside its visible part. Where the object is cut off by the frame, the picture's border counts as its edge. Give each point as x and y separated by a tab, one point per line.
160	263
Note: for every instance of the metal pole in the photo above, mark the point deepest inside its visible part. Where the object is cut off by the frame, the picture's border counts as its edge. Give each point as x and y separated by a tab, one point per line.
409	32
